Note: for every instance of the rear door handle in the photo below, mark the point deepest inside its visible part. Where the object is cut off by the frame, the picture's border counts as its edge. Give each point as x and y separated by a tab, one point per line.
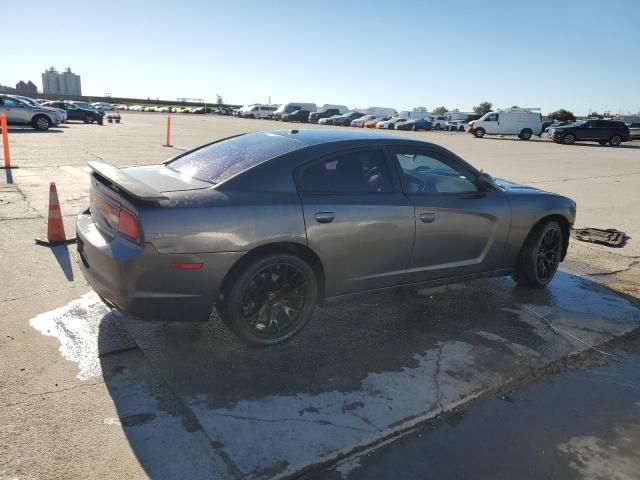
427	217
325	217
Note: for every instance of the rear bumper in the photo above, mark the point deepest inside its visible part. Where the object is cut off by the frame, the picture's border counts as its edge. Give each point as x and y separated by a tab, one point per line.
139	281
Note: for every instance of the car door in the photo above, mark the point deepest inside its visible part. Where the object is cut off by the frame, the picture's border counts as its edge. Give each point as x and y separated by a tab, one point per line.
460	230
491	123
357	219
16	111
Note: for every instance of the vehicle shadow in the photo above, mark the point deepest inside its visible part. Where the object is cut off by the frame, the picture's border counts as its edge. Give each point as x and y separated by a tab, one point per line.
576	144
32	130
203	368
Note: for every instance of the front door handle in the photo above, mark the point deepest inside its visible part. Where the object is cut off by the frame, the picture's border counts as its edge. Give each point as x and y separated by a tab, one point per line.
325	217
427	217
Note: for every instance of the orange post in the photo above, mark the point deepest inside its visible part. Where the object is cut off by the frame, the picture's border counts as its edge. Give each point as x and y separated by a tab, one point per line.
5	140
168	144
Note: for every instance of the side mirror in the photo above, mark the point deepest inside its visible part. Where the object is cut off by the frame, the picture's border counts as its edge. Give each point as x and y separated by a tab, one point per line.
486	183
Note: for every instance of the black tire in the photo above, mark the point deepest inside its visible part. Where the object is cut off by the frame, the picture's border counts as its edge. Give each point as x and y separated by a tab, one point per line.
525	134
602	142
479	132
568	139
539	258
41	122
438	126
615	140
461	128
254	296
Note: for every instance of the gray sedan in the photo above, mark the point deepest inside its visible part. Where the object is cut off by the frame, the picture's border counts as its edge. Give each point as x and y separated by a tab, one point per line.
264	226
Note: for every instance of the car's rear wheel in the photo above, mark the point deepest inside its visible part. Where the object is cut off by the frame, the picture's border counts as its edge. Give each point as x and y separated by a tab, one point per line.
40	122
525	134
568	139
271	299
615	140
602	142
438	126
461	128
479	132
539	258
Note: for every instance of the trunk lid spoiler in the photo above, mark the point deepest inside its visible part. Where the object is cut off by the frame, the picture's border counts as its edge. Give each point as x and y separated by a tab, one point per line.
128	184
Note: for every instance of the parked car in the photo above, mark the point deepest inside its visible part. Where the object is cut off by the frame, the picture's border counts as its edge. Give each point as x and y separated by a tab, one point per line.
455	125
326	111
359	122
265	225
391	123
601	131
292	107
439	121
76	112
634	130
103	106
61	115
345	119
316	117
415	124
375	121
329	120
259	111
19	112
83	105
296	116
512	121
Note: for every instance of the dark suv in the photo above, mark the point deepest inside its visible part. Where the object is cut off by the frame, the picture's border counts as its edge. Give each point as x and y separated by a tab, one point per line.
315	116
296	116
78	112
601	131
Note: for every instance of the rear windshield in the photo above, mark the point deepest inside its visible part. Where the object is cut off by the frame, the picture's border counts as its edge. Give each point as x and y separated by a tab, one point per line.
221	160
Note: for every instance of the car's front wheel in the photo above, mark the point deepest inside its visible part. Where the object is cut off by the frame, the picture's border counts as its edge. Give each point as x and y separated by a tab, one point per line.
40	122
525	134
568	139
539	258
479	132
270	299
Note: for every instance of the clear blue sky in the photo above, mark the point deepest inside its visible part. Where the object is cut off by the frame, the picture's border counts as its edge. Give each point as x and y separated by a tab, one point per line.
576	54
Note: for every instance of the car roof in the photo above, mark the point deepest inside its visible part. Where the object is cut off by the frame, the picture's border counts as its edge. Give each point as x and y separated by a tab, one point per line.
317	136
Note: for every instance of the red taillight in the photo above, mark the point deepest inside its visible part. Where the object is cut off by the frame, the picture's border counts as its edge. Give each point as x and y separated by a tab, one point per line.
128	225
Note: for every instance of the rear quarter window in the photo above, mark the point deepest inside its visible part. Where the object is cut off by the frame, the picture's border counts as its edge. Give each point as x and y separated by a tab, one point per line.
222	160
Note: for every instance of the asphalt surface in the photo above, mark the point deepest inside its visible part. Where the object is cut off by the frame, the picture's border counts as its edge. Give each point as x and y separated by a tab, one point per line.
85	393
581	423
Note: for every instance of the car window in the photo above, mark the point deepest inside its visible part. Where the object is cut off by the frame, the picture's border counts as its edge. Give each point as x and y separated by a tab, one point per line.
363	171
492	118
219	161
11	102
424	173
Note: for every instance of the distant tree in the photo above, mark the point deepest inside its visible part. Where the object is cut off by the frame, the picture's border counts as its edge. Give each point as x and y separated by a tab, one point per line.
420	109
594	114
440	110
562	115
484	107
456	110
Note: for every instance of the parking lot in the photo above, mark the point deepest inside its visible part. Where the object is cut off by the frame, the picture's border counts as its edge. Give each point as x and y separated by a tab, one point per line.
87	393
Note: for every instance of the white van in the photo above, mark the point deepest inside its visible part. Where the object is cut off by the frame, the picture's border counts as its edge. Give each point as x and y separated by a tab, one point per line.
381	111
259	111
292	107
327	106
522	122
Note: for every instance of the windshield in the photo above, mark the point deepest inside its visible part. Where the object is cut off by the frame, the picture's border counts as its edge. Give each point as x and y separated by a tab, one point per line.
28	100
576	124
83	105
219	161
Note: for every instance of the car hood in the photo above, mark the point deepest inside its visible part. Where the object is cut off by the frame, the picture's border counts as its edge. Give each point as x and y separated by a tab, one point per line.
515	187
164	180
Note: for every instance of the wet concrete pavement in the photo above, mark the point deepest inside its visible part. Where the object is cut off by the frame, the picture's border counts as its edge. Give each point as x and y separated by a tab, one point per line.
583	423
363	372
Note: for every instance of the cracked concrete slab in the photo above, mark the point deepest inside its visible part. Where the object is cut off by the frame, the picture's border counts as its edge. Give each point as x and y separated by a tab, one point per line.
274	412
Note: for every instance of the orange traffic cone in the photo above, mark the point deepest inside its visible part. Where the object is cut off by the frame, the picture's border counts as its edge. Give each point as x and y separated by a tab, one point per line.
55	227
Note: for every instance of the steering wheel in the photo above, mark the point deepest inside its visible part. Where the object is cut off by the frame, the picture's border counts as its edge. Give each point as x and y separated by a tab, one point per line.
421	185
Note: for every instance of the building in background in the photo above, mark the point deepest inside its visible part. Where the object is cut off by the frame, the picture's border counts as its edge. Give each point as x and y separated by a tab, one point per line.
65	83
28	89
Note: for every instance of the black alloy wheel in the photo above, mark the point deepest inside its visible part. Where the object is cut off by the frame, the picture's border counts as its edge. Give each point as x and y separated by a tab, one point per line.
548	256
